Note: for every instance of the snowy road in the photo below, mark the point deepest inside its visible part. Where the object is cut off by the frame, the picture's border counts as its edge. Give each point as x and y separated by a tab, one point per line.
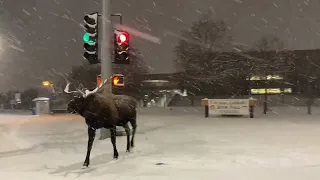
189	146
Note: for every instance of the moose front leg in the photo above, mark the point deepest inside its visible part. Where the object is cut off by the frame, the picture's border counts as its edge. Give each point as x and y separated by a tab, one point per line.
113	141
91	136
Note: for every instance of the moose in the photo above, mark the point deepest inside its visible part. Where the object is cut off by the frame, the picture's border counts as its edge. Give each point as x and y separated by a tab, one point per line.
102	109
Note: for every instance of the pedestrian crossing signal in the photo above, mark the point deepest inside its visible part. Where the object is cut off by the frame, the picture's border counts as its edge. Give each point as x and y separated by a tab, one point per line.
118	80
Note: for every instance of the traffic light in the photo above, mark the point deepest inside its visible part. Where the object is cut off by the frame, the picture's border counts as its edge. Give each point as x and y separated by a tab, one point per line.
121	47
90	38
118	80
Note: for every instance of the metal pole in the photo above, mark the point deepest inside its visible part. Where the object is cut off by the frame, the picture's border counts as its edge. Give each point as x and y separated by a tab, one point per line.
118	15
106	65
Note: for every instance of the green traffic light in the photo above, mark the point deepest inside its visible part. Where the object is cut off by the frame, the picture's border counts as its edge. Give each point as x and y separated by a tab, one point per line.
86	38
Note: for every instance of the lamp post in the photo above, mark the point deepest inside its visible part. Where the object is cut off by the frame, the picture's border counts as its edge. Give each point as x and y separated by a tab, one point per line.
49	86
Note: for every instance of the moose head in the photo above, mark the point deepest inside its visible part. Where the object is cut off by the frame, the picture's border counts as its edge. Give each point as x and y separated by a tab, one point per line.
77	103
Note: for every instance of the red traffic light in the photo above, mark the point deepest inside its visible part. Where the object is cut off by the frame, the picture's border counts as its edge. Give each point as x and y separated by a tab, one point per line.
123	37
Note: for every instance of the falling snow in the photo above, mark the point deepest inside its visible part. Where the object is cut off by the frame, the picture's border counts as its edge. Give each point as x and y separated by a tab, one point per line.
208	48
26	12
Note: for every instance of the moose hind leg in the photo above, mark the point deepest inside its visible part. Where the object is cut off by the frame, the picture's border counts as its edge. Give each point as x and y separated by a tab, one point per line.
113	141
127	129
91	136
133	123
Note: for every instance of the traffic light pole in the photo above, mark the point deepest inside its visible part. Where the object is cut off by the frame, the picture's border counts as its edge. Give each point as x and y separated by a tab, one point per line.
118	15
106	65
105	55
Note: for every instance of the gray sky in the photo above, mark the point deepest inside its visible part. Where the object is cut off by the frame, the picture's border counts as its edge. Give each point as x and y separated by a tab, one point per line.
40	35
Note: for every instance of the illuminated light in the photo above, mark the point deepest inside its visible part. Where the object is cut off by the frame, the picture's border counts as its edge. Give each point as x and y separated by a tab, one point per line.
116	80
86	38
122	38
271	91
46	83
98	80
269	77
287	90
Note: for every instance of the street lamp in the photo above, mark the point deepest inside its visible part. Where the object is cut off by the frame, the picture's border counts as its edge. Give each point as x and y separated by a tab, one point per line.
49	85
46	83
50	92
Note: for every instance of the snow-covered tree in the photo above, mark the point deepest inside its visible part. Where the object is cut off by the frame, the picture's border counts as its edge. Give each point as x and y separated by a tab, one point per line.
204	55
307	74
270	61
272	56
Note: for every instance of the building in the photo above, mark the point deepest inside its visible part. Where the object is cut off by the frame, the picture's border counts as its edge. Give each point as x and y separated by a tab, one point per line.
159	89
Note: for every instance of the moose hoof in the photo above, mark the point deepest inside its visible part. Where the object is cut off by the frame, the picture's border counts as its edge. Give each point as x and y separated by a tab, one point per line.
85	164
115	157
128	151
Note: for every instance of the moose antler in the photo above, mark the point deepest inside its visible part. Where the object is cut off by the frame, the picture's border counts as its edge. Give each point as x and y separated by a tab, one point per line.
66	89
88	92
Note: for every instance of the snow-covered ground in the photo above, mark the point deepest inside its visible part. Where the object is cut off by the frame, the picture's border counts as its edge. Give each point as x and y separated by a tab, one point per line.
186	145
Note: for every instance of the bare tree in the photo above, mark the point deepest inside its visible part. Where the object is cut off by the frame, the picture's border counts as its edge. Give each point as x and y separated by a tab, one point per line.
269	48
201	54
307	74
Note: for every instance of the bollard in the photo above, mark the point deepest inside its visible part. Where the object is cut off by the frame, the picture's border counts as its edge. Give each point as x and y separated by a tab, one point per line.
206	111
252	104
251	111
